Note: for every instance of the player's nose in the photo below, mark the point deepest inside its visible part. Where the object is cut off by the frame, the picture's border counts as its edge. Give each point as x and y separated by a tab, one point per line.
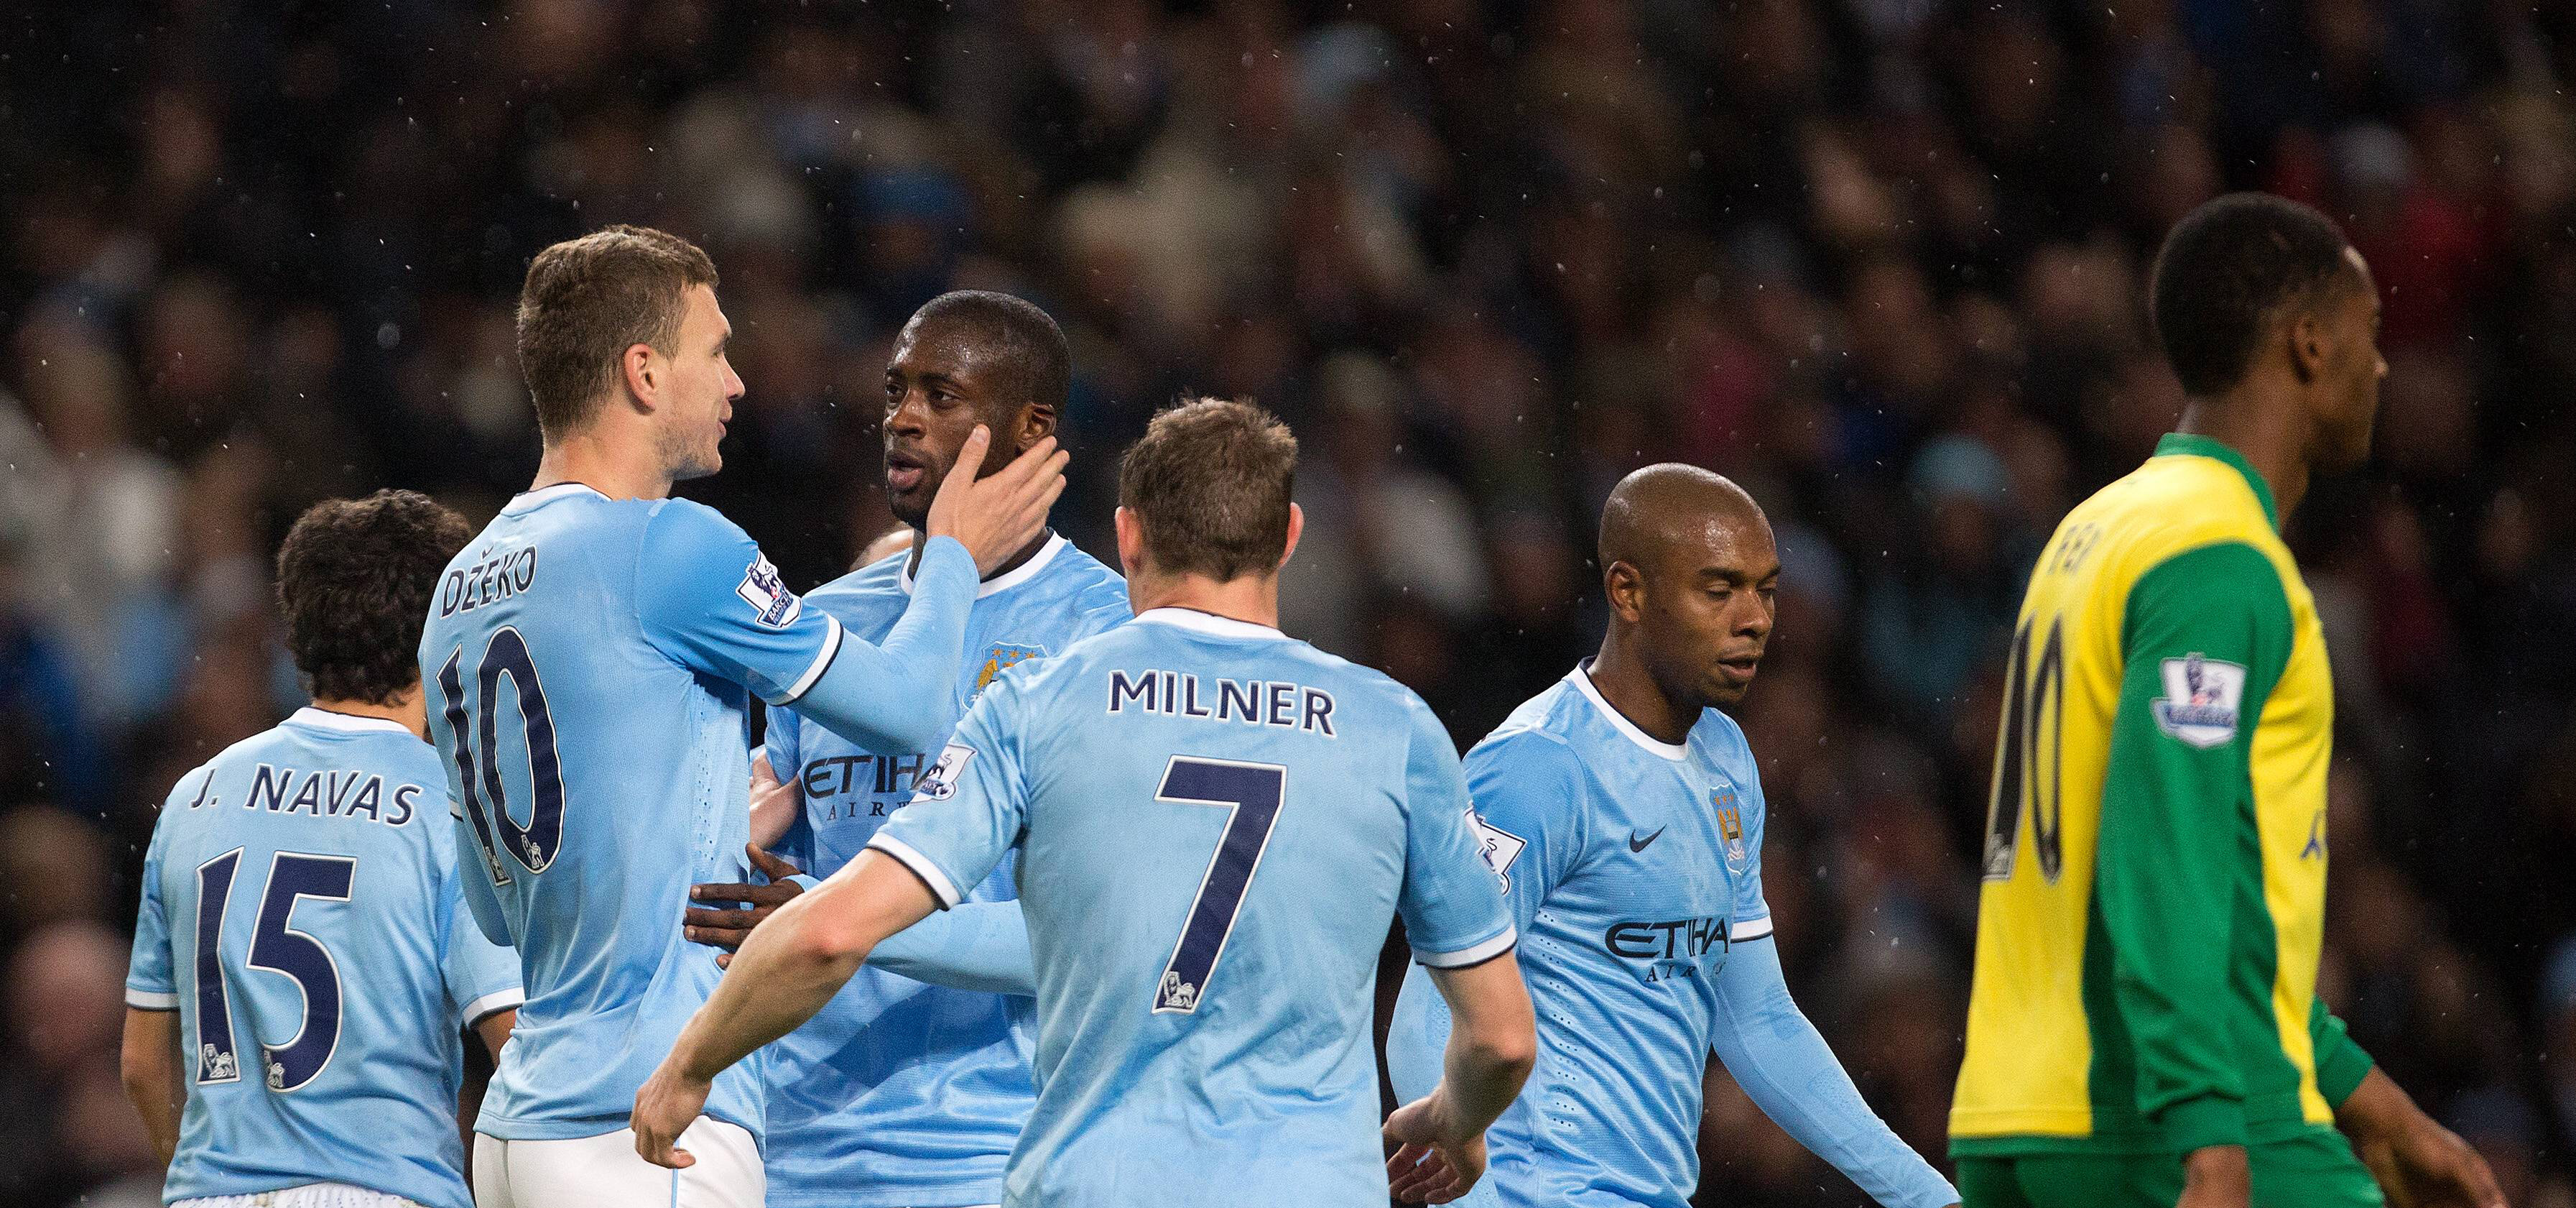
907	413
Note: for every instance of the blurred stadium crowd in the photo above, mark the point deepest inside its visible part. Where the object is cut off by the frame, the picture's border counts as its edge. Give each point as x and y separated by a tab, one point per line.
1878	259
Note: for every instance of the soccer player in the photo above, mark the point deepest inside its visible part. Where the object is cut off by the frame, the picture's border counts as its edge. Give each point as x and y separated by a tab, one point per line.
1623	813
2144	1027
302	938
590	655
900	1095
1215	825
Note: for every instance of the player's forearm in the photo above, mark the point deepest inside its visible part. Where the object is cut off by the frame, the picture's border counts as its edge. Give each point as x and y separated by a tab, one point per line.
1785	1067
981	946
888	697
150	1067
797	960
779	979
1493	1040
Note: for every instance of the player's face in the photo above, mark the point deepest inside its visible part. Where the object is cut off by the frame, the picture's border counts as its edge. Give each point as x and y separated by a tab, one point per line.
698	400
940	384
1709	608
2352	372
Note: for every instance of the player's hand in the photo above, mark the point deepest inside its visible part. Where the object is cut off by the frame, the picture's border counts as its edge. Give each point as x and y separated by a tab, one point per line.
2419	1163
726	927
664	1109
1435	1161
2428	1166
999	516
2215	1176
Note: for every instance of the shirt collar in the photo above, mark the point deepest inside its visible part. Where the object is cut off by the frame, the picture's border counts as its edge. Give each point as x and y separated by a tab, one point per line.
346	723
2192	444
1008	579
526	500
1581	678
1207	622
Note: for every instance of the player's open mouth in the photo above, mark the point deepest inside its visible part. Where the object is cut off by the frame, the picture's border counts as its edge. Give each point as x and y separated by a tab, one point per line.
1739	668
903	473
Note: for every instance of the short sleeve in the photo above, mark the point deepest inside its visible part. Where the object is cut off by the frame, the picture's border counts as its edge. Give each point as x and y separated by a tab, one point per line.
149	981
967	810
1452	905
482	977
1528	788
708	598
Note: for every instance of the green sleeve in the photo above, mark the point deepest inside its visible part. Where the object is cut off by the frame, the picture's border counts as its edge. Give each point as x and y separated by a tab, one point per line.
2341	1063
2207	635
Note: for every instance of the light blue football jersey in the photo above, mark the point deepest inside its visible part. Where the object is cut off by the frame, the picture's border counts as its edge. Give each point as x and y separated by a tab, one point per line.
1216	826
586	662
301	912
900	1094
1632	867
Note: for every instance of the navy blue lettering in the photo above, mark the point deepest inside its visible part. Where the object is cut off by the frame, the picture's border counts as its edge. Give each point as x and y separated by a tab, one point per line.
271	783
1123	689
308	798
1238	700
1319	712
1283	705
403	798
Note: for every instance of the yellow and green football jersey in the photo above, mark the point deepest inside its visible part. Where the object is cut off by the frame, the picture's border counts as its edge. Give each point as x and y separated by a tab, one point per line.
2155	865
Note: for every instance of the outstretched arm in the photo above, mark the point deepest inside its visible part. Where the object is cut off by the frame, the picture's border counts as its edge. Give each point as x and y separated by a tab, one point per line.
744	625
1783	1064
970	946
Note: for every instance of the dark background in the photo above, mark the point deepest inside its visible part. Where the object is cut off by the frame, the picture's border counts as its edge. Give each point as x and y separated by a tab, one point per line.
1880	260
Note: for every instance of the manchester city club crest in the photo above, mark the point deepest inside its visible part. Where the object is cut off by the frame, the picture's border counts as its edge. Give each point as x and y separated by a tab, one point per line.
1002	657
1730	826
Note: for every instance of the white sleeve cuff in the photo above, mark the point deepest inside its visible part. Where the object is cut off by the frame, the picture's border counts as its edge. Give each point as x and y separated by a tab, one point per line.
498	1000
1473	955
822	662
921	866
1749	929
151	1000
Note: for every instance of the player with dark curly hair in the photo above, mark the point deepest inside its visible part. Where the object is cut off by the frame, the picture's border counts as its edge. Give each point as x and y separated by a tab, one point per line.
301	938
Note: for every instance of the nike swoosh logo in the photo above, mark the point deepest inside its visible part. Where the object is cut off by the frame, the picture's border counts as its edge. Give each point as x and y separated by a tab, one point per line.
1636	844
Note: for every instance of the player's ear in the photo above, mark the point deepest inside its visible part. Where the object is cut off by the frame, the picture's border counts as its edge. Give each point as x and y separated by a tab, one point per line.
2307	335
1296	529
642	373
1131	544
1036	423
1626	589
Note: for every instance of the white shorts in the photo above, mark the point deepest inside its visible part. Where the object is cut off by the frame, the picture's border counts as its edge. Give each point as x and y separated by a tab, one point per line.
606	1172
310	1195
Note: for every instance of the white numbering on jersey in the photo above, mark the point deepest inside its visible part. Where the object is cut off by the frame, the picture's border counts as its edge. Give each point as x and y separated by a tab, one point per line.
1252	794
275	947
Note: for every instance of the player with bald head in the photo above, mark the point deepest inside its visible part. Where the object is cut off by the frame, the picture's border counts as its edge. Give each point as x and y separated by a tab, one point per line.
1623	813
1689	566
